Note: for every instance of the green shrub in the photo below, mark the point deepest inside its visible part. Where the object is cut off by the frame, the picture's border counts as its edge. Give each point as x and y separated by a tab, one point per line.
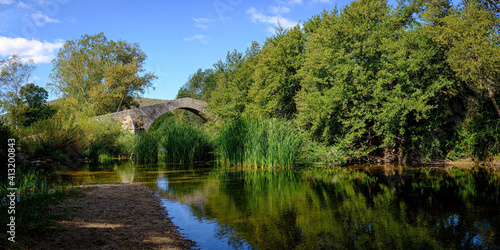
102	136
126	143
46	137
5	135
105	158
478	136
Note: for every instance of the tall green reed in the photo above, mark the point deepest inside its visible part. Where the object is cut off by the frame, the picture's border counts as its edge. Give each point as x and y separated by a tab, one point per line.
146	147
184	143
260	143
230	142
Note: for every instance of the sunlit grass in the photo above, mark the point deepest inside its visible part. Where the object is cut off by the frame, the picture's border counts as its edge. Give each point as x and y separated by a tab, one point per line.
184	143
260	143
34	196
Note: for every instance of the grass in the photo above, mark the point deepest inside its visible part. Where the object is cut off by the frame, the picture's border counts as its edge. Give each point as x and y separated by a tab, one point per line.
184	143
230	142
259	143
146	147
33	216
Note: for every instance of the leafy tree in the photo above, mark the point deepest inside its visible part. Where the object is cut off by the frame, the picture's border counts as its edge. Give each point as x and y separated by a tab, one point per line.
371	78
233	78
105	75
35	108
199	85
491	5
276	79
14	74
470	37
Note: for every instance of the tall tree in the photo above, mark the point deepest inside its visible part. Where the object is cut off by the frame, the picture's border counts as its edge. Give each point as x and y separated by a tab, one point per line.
14	74
371	78
234	78
491	5
199	85
276	79
101	73
34	108
470	35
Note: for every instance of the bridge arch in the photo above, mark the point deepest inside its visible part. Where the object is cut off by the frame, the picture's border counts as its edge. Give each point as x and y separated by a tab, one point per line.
140	119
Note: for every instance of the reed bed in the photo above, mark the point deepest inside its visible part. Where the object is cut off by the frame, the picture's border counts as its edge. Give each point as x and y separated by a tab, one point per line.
184	143
146	147
259	143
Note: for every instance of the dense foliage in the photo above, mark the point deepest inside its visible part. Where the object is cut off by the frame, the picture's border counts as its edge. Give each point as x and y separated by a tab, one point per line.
100	73
371	82
14	75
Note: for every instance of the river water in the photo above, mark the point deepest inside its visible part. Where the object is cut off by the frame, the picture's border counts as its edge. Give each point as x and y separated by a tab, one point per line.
360	207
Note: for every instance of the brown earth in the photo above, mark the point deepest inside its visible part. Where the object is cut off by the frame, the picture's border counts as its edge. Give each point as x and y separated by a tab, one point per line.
114	216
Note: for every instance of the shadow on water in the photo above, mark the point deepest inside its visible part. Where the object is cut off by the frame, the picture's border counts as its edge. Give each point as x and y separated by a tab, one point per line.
315	207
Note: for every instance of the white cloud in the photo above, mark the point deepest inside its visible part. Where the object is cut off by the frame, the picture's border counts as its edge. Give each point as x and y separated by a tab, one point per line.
41	19
203	20
40	52
202	38
38	17
279	9
322	1
259	17
293	2
203	23
6	2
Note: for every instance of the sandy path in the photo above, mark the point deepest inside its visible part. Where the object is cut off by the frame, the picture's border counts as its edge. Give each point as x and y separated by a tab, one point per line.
115	216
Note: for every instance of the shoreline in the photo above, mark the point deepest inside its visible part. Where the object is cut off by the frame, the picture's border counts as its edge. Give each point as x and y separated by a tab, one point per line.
113	216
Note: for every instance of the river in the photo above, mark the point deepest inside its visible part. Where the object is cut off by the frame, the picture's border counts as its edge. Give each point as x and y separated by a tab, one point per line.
361	207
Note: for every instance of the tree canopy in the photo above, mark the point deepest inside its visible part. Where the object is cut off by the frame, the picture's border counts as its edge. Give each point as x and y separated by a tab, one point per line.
371	81
14	74
34	108
100	73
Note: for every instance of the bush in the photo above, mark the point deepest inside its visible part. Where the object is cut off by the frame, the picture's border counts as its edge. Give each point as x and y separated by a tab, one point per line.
126	143
44	138
5	135
102	138
478	136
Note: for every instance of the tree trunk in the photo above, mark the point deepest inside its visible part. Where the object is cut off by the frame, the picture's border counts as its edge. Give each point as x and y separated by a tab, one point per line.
121	102
491	95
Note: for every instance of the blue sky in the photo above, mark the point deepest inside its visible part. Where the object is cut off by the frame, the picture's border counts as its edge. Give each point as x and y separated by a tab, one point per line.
178	36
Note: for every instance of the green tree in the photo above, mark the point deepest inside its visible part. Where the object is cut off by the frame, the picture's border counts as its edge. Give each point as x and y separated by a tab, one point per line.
276	79
492	5
34	108
104	74
372	78
14	74
470	38
199	85
234	78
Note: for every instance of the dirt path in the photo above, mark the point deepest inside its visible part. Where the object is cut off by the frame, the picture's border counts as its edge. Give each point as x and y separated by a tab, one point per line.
115	216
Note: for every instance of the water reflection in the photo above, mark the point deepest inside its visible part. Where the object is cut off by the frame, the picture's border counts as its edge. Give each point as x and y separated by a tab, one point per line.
360	207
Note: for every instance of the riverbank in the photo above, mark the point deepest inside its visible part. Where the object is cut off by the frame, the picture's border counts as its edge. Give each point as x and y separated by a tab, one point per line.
113	216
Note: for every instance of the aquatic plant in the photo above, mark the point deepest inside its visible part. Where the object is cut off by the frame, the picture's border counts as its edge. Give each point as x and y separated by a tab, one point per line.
264	143
183	142
146	147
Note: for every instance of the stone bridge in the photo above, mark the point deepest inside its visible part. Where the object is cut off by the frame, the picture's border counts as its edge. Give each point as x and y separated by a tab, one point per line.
140	119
